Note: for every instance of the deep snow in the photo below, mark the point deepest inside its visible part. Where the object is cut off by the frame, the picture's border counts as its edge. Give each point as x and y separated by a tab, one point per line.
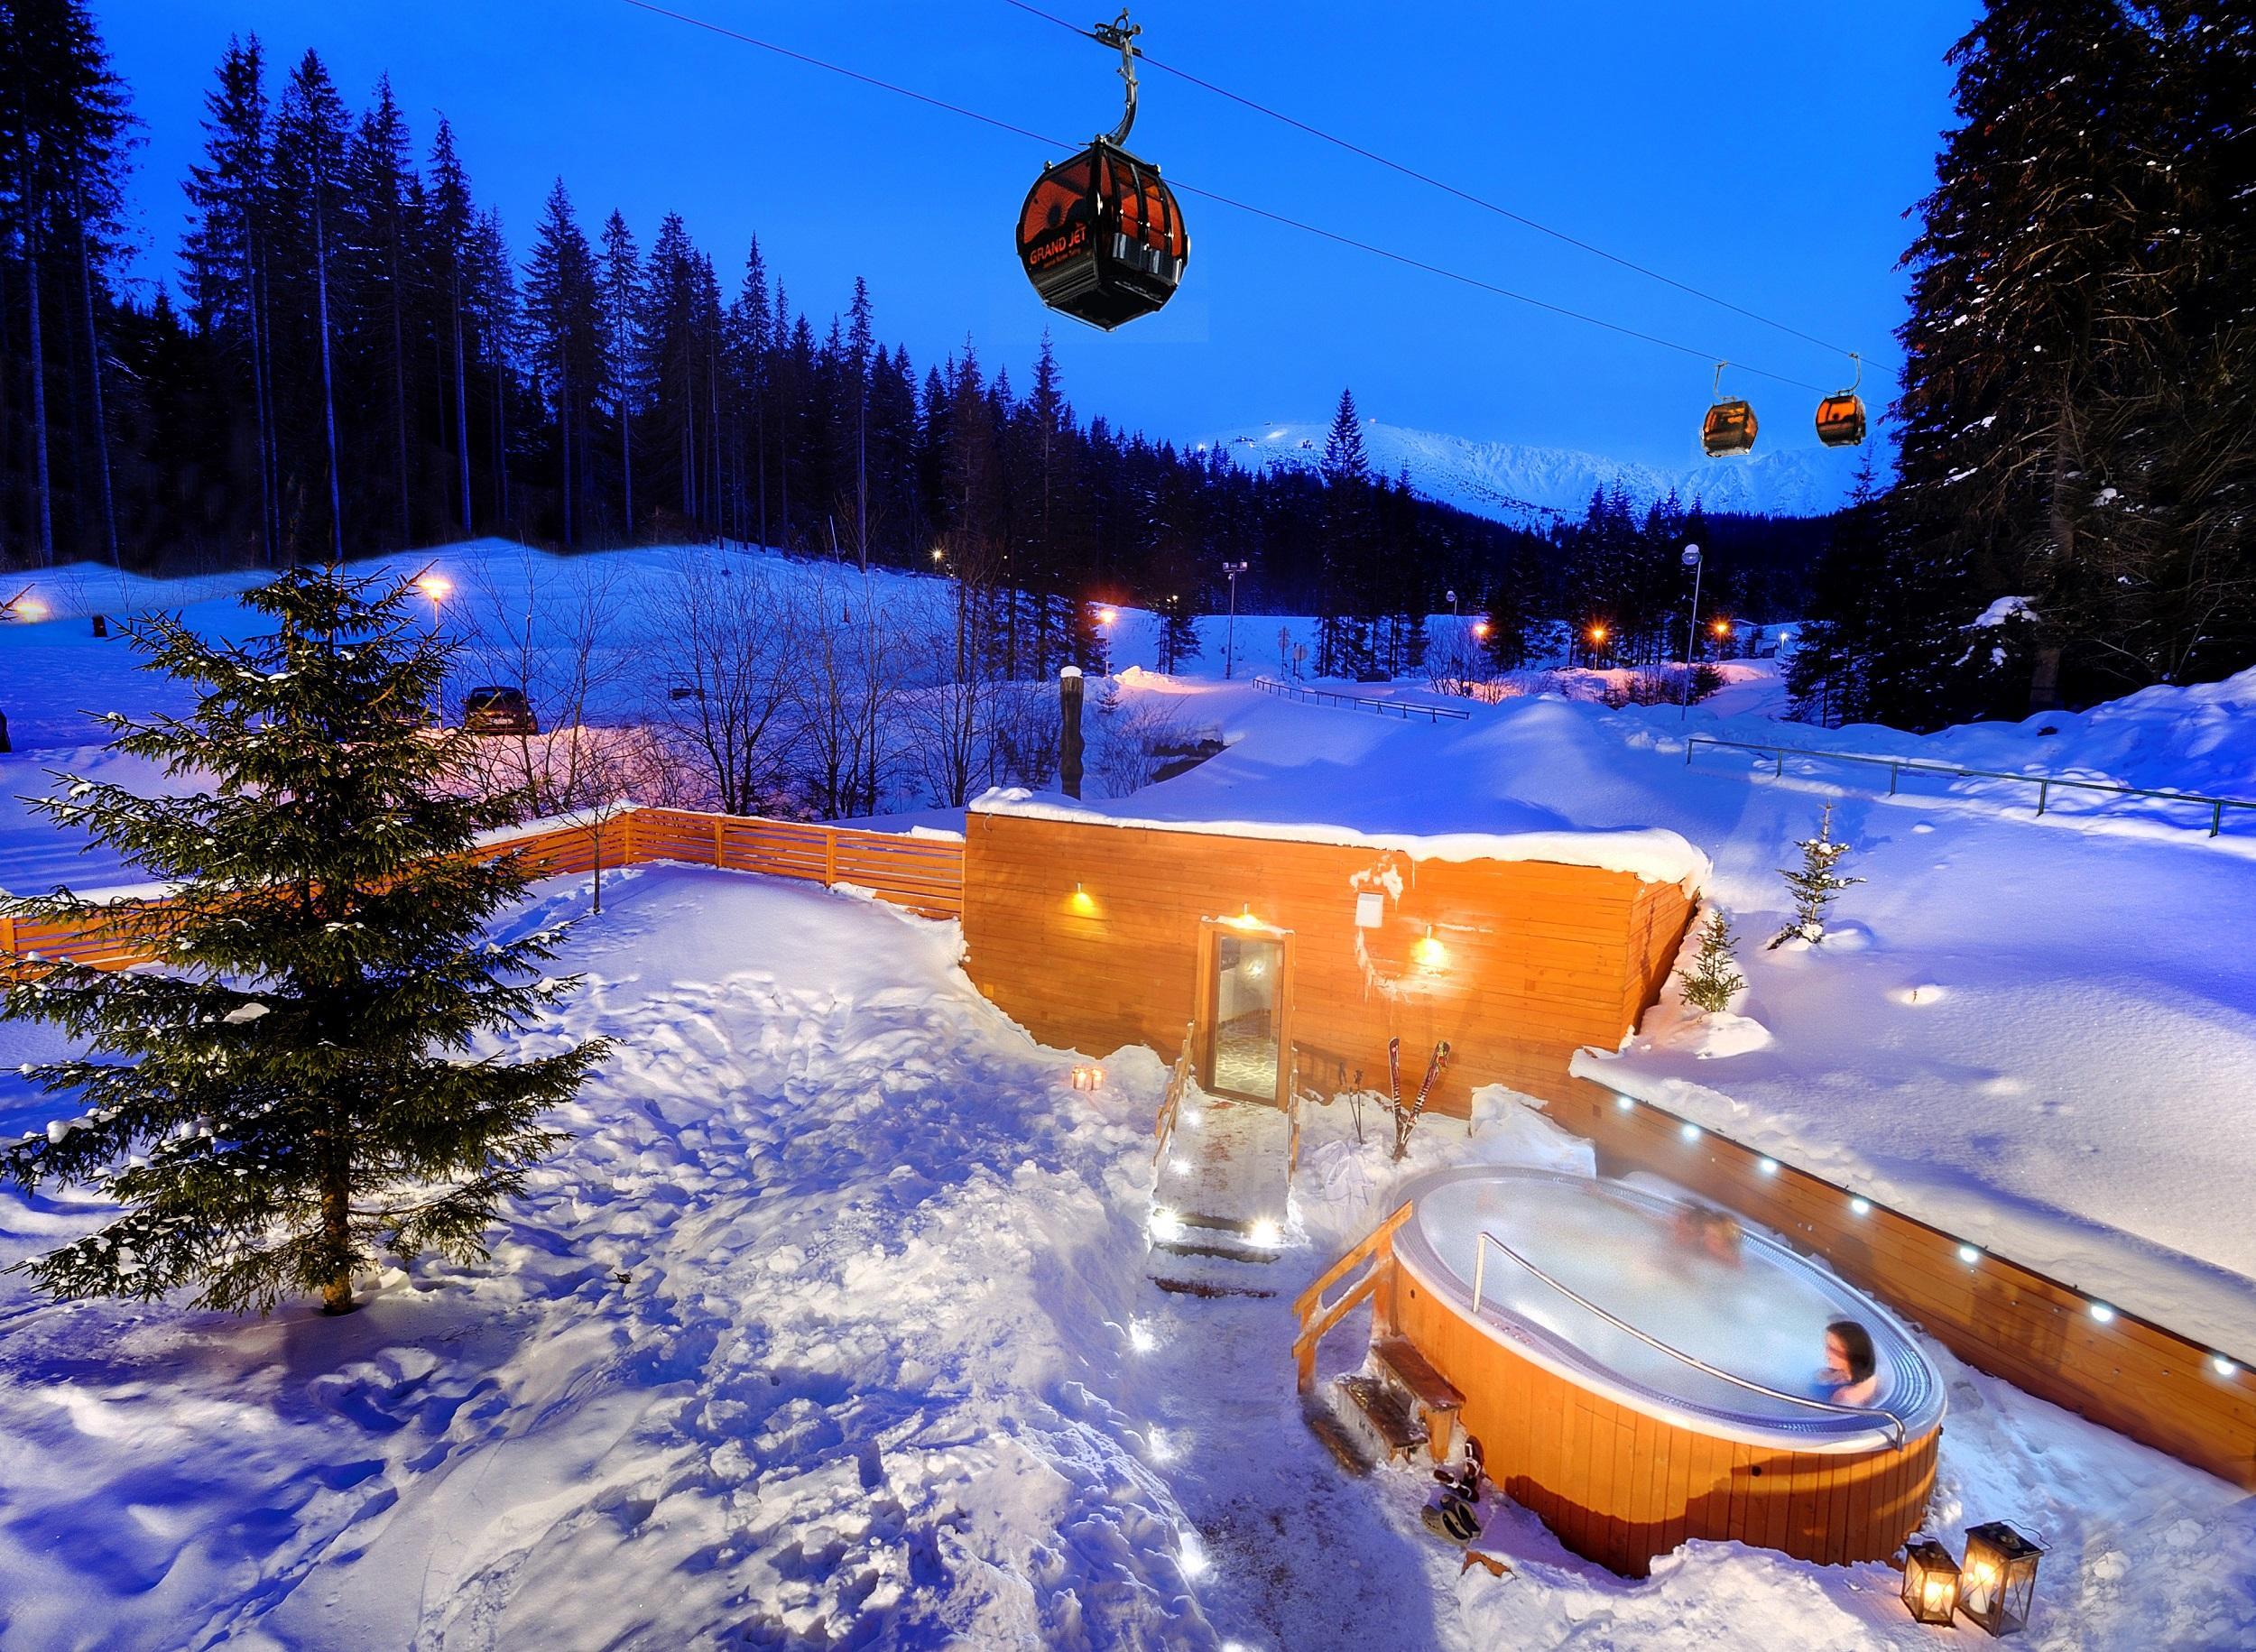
874	1372
829	1327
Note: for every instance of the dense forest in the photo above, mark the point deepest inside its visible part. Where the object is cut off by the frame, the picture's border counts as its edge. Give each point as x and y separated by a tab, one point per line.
2074	514
358	360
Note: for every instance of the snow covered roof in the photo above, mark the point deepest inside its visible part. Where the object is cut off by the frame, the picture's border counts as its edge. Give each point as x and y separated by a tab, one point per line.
1326	774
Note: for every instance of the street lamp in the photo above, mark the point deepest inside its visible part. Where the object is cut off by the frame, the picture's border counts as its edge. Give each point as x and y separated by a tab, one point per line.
435	585
1597	641
1691	629
1230	636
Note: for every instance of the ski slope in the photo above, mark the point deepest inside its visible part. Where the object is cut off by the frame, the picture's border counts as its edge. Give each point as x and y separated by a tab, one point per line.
1535	486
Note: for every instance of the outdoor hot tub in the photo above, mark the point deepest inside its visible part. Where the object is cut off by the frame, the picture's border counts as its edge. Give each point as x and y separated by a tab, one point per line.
1634	1392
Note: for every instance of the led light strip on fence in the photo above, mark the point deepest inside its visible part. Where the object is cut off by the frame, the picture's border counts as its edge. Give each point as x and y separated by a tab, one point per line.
2101	1311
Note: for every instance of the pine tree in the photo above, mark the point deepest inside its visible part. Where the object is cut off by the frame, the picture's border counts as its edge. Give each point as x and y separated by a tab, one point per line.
1346	604
289	1092
622	311
1714	976
1815	885
63	127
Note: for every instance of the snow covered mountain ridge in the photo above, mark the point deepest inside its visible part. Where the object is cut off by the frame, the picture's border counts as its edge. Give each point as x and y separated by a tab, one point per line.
1531	486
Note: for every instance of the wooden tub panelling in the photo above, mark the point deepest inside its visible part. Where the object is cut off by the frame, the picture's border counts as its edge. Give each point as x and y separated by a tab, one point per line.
1619	1486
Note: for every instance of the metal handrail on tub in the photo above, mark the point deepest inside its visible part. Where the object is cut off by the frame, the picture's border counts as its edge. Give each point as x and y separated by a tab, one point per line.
1480	1278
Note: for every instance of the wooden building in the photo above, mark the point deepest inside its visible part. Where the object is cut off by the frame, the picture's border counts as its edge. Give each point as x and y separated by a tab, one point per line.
1288	946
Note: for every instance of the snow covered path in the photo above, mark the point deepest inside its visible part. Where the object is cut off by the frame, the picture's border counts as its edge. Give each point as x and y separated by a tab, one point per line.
800	1339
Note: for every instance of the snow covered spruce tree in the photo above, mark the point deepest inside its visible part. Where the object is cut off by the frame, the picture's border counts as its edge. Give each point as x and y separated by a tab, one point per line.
288	1091
1713	975
1815	885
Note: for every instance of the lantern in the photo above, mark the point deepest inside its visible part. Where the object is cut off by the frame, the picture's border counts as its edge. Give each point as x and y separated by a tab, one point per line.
1088	1078
1931	1582
1999	1578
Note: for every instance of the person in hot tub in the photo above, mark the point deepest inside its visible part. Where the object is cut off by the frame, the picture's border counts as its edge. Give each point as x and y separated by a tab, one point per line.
1852	1372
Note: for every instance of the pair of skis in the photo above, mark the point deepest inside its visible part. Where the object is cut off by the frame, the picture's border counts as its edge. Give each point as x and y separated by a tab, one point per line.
1405	1118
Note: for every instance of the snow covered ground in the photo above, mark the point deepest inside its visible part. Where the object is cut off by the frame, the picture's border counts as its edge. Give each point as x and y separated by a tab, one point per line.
829	1328
884	1368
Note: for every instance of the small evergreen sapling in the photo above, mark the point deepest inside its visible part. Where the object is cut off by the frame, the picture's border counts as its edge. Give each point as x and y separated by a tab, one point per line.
1715	974
1817	885
292	1089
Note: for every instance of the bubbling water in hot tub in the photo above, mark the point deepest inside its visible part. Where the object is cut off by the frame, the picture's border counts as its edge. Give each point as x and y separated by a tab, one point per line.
1763	1319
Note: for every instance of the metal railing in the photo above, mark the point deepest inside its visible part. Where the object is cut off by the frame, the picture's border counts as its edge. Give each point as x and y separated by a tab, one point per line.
1403	709
1898	766
1480	1278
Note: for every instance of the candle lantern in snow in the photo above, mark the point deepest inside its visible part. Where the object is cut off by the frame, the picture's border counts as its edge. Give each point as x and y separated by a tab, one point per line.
1999	1578
1931	1582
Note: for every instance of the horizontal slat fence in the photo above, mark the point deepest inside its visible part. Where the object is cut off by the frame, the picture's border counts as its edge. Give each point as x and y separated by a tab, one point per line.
923	874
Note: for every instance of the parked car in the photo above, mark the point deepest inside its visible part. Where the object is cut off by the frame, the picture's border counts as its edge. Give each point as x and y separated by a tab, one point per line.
493	710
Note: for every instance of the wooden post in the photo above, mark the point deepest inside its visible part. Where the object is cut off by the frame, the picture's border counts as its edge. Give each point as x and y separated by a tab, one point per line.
720	850
829	857
1069	730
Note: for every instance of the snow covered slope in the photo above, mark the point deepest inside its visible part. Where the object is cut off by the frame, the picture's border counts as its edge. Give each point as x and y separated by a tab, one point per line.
1533	486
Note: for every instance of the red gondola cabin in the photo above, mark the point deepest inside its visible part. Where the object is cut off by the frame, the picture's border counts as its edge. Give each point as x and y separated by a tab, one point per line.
1102	238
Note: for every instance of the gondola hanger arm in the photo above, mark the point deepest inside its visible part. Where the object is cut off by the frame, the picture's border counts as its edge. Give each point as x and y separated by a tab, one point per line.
1121	34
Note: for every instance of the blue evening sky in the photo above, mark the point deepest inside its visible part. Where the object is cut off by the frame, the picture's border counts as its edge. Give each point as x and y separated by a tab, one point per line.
1762	151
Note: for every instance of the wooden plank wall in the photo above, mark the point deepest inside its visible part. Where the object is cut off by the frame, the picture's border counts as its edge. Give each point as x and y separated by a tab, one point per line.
2038	1333
1087	936
925	874
1618	1486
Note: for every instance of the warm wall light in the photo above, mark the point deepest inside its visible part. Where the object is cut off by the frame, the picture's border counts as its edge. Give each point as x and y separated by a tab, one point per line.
1082	901
1428	952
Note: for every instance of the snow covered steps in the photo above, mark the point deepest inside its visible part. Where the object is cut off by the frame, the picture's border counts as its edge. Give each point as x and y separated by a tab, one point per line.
1389	1411
1210	1255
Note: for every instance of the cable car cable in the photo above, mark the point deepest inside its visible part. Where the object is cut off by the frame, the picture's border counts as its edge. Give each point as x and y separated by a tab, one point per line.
1449	188
1219	199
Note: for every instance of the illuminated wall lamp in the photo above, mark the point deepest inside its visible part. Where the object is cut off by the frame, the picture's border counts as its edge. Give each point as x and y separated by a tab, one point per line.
1689	1131
1428	952
1931	1582
1861	1205
1081	900
2222	1366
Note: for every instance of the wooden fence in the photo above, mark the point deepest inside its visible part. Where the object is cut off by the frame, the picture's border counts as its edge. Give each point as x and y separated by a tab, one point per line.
924	874
2039	1333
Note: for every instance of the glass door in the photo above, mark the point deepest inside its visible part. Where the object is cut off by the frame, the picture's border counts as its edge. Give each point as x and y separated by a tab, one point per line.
1247	978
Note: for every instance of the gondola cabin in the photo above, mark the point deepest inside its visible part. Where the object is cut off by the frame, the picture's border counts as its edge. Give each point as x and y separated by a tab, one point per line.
1728	429
1841	420
1102	238
1295	954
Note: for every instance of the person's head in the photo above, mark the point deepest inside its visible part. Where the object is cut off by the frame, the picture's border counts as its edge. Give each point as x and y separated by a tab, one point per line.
1849	1350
